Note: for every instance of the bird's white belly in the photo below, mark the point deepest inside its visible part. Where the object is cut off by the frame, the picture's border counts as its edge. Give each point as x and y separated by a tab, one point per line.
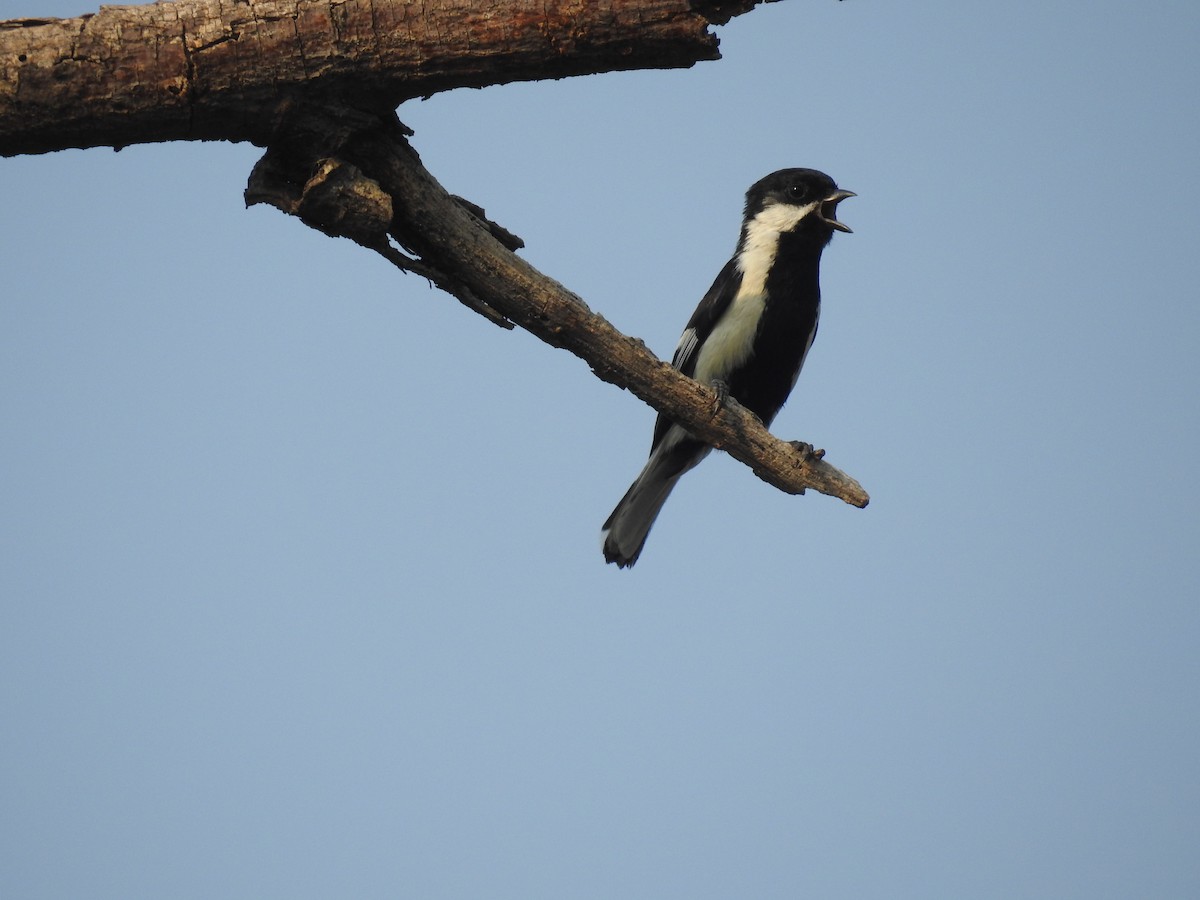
732	340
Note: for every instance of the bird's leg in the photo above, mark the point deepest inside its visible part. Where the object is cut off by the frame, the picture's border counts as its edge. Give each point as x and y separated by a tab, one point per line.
724	398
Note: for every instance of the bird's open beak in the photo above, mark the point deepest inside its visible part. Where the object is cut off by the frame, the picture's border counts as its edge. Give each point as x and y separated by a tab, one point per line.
828	210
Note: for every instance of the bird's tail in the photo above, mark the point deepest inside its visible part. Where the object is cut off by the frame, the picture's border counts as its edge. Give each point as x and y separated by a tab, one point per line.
624	532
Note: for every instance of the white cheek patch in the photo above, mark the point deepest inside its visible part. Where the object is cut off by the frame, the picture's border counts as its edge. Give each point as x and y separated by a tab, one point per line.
762	241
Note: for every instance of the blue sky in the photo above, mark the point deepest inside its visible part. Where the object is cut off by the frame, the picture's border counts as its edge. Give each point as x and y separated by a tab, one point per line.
301	585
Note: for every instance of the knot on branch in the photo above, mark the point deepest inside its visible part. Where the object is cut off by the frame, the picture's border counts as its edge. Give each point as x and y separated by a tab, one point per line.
316	168
337	199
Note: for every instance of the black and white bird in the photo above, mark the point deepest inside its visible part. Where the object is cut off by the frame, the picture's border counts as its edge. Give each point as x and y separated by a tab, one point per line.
748	337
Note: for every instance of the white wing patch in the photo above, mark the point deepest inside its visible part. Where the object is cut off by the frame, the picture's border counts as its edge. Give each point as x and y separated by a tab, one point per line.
685	348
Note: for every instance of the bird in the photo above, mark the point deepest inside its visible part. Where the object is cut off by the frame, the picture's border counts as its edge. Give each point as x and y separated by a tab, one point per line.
748	337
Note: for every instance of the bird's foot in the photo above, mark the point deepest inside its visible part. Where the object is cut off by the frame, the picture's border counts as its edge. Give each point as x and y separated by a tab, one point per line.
722	391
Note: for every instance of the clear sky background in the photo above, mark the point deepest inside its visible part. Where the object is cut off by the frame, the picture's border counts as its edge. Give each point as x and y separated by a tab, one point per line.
300	582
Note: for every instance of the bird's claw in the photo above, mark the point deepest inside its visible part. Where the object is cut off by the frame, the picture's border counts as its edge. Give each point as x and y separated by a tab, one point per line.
722	392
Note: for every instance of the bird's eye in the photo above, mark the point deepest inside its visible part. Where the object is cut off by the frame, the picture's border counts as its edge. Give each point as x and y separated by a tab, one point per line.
797	191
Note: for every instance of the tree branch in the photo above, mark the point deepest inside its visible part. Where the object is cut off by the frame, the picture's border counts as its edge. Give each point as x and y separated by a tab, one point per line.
216	69
460	252
317	82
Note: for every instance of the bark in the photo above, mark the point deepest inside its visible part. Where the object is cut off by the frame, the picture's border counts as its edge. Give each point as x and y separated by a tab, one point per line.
316	83
217	69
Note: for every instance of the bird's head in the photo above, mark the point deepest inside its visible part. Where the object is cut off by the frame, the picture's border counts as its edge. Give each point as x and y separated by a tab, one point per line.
793	200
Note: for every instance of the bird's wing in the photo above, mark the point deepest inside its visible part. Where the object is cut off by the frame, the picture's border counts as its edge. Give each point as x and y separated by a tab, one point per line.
709	311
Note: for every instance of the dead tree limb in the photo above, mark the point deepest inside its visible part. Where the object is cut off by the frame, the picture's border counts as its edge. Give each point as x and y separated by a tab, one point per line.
463	253
316	83
215	69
